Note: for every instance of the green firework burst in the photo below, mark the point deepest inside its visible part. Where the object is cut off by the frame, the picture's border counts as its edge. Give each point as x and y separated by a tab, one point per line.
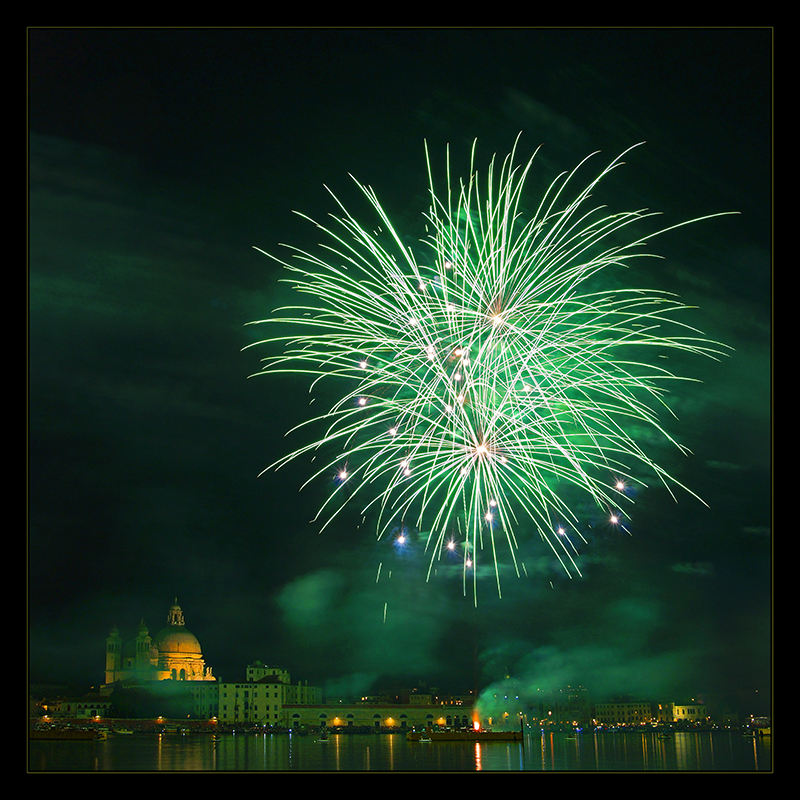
488	373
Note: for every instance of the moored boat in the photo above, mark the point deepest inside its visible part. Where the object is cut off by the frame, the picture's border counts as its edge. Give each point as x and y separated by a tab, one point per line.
467	735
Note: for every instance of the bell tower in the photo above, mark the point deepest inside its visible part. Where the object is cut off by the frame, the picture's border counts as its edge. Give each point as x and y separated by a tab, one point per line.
143	650
113	655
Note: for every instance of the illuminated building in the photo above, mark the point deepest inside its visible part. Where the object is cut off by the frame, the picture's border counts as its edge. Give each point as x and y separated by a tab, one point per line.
627	713
377	716
89	706
174	653
691	712
261	699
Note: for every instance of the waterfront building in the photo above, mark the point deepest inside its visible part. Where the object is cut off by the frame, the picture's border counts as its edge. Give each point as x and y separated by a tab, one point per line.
205	699
85	707
261	702
261	699
375	716
635	712
692	712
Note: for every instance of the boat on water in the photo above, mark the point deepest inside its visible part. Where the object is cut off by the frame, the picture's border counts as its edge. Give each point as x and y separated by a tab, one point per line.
466	735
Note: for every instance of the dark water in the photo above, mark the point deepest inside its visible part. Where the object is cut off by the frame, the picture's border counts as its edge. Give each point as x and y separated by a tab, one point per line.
722	751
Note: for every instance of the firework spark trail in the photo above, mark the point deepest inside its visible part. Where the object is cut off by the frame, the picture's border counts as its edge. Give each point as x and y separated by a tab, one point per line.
488	374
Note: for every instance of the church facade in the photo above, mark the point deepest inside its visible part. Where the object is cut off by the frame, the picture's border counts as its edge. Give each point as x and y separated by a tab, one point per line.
173	654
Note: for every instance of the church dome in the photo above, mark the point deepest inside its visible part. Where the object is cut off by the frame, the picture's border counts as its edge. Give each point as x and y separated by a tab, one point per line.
176	639
172	654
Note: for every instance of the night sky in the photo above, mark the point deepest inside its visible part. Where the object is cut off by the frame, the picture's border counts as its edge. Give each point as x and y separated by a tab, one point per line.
159	158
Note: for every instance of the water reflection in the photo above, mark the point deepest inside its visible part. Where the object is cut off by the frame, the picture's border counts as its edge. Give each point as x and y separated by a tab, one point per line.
542	752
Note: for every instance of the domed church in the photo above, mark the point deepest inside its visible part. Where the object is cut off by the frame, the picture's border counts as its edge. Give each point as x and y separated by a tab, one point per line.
172	654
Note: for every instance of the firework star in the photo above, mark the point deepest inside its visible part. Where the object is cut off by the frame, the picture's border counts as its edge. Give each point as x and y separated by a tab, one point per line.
486	374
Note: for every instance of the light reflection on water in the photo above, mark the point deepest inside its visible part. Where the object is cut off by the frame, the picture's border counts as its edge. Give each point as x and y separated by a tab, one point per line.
704	751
